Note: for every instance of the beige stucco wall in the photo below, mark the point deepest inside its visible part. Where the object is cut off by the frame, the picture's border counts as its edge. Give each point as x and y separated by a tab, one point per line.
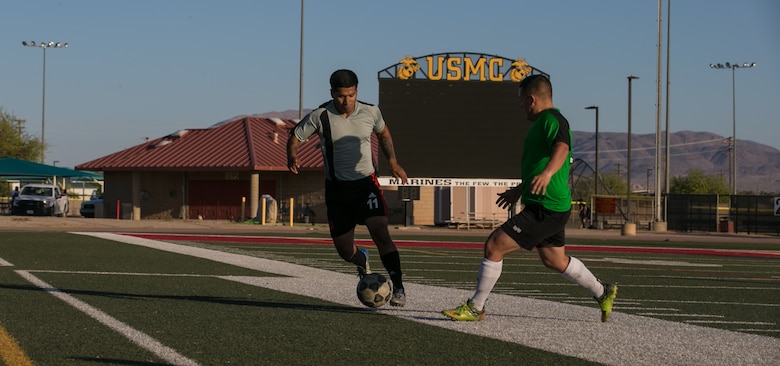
162	193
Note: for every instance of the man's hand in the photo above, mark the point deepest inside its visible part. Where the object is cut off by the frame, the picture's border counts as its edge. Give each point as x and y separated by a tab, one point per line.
292	164
539	183
398	172
509	197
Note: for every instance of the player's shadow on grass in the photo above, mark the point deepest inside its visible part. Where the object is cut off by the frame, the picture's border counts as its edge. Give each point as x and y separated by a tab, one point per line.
196	298
433	315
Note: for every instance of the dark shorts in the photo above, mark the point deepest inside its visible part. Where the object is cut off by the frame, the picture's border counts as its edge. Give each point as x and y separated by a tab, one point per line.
351	203
537	226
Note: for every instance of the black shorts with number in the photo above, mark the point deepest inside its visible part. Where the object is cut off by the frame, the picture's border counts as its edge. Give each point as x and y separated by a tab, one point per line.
537	226
350	203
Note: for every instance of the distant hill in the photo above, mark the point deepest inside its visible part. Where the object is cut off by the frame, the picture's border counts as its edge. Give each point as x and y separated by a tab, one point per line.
758	165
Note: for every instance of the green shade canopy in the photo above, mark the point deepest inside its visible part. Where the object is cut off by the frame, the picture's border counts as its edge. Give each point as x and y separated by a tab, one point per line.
11	167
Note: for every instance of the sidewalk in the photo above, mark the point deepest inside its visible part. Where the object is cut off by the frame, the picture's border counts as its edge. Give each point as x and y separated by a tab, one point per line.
34	223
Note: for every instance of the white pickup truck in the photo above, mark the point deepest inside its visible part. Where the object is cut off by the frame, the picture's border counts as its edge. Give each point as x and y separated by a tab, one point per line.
40	199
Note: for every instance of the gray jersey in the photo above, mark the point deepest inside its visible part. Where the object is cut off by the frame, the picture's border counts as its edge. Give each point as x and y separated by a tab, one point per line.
345	142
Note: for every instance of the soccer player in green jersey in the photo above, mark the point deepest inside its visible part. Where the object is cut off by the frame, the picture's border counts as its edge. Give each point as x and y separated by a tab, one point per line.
546	198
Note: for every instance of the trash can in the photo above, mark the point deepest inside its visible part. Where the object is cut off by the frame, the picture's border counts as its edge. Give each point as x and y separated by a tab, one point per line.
726	225
270	209
99	211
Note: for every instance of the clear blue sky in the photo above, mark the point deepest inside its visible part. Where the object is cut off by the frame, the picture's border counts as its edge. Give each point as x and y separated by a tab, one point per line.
144	68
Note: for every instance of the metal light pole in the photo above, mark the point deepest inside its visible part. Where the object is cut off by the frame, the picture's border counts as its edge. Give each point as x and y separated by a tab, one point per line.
733	68
300	72
629	228
668	52
44	46
647	182
658	224
662	225
596	173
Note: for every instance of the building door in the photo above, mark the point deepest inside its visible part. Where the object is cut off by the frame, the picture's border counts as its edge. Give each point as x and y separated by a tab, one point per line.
222	199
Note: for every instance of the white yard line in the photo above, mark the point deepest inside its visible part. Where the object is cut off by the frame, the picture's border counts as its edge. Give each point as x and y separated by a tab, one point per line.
565	329
140	338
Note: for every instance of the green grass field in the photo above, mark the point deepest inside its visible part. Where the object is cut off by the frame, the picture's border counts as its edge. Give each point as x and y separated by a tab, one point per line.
75	299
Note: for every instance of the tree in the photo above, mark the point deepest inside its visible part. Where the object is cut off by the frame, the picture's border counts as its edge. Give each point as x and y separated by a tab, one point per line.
615	183
696	182
582	188
14	143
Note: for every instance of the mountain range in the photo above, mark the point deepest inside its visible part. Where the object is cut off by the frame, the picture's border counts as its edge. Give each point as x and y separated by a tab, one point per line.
758	165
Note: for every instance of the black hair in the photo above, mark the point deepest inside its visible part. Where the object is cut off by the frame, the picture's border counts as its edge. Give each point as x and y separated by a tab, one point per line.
343	79
535	84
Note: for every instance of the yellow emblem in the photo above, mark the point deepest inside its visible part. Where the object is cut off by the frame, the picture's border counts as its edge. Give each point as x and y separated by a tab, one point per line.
408	69
520	69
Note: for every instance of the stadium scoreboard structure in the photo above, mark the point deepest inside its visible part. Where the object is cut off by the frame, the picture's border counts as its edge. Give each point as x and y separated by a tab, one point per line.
456	115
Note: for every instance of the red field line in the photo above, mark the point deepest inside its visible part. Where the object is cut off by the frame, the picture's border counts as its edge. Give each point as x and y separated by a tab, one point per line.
457	245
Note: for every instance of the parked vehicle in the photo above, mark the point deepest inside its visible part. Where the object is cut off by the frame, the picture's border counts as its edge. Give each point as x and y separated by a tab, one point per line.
40	200
88	207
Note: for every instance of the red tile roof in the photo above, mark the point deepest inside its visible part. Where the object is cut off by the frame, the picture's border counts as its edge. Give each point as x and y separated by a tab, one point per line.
245	143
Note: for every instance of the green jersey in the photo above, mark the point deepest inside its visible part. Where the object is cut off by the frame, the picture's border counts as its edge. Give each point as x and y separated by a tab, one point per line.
548	128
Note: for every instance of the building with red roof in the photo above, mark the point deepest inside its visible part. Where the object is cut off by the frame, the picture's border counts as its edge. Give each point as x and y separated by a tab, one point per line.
220	172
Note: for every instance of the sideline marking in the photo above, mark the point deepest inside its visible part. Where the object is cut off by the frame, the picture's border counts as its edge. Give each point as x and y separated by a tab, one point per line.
10	352
4	263
142	339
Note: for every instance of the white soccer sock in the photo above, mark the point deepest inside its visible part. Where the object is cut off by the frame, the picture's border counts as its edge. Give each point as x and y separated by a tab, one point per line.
577	272
488	275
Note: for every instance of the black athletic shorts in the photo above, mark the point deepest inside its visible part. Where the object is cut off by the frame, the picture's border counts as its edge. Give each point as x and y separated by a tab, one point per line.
537	226
350	203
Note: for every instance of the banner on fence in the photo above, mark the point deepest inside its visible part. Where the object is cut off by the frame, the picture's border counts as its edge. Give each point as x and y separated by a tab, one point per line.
450	182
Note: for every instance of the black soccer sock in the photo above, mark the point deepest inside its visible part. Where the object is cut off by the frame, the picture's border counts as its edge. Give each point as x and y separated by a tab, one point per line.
392	263
358	259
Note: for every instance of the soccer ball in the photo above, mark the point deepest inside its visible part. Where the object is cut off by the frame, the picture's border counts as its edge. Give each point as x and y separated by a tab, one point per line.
374	290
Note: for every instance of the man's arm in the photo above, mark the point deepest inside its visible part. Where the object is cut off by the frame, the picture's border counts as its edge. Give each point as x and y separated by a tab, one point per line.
292	153
560	151
386	144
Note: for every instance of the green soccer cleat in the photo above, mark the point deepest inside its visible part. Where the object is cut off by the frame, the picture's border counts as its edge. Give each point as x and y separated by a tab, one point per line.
465	312
605	302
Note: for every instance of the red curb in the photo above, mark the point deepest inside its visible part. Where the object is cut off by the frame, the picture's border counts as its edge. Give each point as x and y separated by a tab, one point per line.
457	245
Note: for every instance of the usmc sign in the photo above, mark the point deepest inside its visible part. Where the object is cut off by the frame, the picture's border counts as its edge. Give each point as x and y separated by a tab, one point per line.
462	66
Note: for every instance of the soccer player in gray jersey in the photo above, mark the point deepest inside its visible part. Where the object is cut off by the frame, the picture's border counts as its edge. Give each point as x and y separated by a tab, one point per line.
352	194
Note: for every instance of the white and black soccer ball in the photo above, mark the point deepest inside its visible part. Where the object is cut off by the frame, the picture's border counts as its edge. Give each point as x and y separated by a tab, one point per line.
374	290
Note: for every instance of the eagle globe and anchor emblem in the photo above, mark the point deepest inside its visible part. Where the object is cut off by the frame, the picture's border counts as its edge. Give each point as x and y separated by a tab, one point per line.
520	69
408	69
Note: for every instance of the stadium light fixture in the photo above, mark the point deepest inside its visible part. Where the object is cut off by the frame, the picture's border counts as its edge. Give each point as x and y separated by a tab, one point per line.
44	46
733	67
